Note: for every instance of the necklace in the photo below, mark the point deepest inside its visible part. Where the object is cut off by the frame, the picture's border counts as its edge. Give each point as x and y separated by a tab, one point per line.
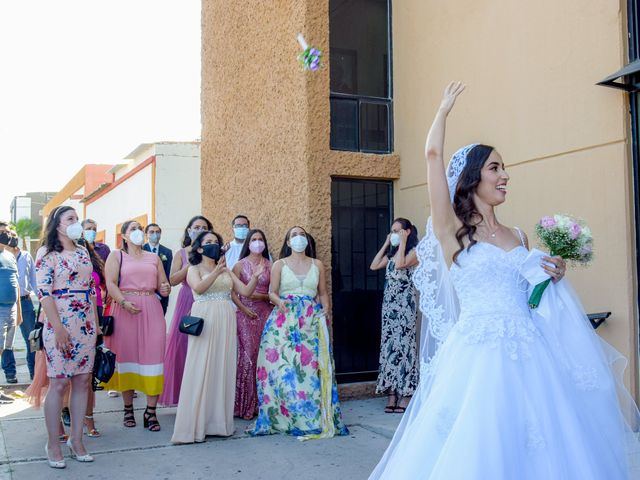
491	234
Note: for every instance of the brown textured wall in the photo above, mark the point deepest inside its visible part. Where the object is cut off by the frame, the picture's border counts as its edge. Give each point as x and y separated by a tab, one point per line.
265	122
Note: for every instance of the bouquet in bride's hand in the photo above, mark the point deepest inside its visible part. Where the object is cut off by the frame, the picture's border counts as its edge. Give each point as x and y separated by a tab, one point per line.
566	237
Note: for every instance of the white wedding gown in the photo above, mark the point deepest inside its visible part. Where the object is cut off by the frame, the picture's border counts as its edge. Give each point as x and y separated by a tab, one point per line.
511	395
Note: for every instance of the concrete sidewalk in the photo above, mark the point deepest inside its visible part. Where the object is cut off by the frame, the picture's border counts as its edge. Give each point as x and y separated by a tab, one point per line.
125	453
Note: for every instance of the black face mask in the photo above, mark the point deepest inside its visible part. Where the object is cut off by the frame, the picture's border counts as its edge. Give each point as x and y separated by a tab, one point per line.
211	250
5	238
13	242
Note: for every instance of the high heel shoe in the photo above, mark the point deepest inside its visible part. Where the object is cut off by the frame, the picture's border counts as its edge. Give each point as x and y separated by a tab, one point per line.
53	463
93	432
151	420
81	458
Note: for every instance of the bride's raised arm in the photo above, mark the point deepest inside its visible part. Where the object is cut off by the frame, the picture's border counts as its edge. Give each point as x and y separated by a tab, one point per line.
445	223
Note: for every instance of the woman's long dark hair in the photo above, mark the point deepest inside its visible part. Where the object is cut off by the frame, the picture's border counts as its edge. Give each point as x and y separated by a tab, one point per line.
463	204
310	251
96	261
412	239
195	257
186	239
245	246
50	238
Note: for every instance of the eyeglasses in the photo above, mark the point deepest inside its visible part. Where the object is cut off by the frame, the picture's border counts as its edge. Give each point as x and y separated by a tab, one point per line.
241	225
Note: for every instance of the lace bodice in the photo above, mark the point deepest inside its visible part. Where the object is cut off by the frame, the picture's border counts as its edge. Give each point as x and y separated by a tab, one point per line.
487	280
220	289
493	298
291	284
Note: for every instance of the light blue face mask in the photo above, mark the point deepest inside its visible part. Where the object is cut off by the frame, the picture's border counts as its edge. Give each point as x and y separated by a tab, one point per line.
240	232
89	235
154	238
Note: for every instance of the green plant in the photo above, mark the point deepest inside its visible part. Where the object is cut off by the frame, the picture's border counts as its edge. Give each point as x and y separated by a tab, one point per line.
26	228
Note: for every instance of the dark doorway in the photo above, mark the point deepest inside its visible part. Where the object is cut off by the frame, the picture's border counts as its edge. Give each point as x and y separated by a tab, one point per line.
361	212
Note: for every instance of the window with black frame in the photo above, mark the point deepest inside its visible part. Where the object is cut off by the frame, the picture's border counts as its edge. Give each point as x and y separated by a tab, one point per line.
361	88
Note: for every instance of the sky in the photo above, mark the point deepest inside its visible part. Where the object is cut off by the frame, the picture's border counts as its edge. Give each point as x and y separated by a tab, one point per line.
87	81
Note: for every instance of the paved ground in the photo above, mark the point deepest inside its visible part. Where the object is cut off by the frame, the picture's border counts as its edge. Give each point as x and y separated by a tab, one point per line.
136	453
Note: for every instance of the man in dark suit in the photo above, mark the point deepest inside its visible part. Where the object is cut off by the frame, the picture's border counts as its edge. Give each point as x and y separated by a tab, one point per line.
154	232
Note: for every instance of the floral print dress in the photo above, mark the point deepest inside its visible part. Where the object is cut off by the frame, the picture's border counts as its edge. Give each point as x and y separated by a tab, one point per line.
398	349
66	277
297	392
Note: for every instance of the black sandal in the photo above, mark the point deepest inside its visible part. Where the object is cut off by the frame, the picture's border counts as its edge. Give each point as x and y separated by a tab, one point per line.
399	409
129	418
391	404
151	420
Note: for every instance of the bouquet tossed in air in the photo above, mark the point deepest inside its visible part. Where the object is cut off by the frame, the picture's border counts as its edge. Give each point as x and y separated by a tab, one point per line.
310	56
564	236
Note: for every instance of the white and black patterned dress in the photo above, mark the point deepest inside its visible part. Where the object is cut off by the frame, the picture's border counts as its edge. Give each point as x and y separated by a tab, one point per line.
398	349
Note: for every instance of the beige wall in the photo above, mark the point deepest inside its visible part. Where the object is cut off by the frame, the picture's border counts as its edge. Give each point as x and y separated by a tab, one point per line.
531	69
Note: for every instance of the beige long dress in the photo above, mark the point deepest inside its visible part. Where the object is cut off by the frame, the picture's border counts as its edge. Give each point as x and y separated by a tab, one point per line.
208	385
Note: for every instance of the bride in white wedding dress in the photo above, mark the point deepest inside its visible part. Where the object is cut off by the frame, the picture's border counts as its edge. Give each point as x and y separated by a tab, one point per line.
505	393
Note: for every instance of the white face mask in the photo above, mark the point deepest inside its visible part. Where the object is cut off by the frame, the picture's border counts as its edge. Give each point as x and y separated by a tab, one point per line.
74	231
299	243
394	239
137	237
90	236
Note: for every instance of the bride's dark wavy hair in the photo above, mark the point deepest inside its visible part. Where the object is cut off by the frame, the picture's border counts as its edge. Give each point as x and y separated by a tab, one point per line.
463	204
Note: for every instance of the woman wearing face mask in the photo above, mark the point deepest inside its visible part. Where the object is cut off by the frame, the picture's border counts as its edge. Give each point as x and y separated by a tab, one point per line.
297	391
398	376
90	232
133	276
66	292
251	315
176	351
208	385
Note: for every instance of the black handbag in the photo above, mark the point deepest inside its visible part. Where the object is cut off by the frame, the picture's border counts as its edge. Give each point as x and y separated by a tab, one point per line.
106	325
107	322
104	365
35	336
191	325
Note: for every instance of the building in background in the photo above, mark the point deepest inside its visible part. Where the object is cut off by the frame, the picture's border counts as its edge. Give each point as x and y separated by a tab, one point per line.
158	182
26	215
88	179
30	205
340	151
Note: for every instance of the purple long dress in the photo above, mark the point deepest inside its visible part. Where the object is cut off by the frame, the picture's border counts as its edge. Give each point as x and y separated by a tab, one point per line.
249	334
177	342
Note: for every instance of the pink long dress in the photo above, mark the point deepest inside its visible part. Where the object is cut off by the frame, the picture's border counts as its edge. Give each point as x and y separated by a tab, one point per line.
138	339
177	342
249	333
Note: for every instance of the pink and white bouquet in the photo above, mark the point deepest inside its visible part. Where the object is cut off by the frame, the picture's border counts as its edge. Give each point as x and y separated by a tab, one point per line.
564	236
310	57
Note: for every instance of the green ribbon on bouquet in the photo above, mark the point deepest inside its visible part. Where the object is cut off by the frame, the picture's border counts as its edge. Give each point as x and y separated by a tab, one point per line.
538	290
536	295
